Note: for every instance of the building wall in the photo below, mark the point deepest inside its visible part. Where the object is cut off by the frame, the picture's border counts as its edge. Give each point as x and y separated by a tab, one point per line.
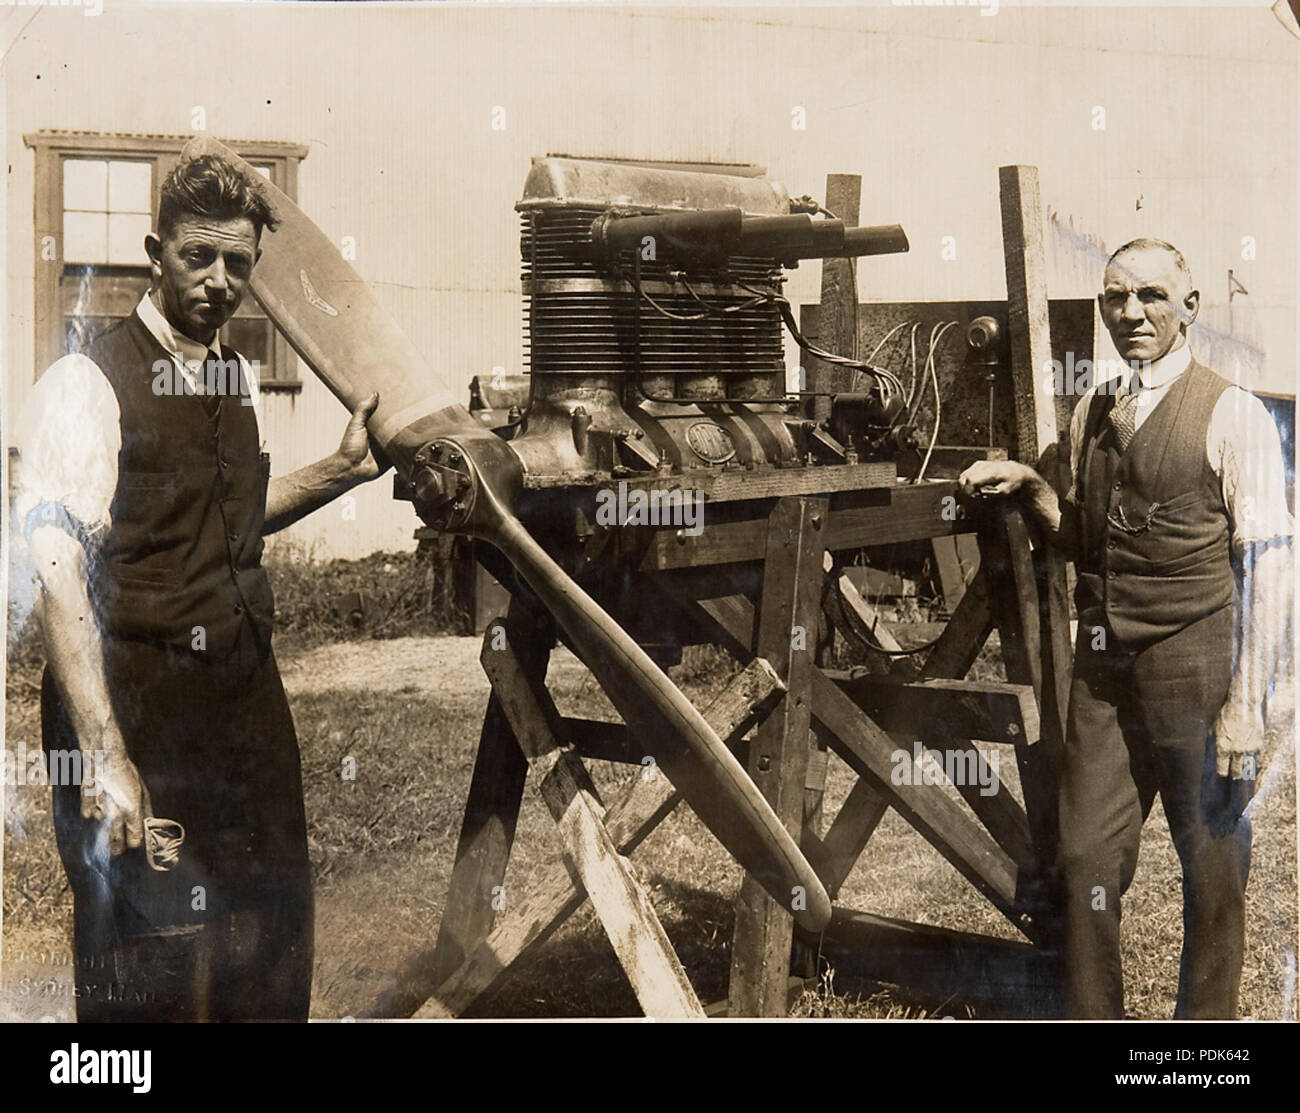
396	105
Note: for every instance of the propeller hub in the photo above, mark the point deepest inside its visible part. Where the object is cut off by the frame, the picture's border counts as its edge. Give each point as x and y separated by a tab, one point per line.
444	487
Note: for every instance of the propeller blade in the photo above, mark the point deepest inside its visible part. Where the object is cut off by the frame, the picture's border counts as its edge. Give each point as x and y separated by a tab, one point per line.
328	314
672	729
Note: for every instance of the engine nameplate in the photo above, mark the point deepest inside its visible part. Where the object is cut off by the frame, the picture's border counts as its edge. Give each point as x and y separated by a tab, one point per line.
710	442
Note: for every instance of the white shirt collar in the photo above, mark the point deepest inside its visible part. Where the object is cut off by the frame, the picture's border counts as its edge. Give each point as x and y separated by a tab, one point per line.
182	348
190	355
1163	371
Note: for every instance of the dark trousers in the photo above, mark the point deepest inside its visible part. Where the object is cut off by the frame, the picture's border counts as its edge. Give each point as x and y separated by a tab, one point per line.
1142	722
227	934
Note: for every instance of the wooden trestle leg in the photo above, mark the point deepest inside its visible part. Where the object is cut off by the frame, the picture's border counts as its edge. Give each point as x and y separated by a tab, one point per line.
778	759
491	812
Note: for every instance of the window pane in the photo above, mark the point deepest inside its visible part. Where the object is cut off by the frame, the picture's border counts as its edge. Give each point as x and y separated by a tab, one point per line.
78	332
129	185
85	184
126	233
262	169
250	337
85	238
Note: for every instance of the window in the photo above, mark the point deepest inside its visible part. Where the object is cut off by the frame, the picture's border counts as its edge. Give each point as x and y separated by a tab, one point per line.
106	210
96	197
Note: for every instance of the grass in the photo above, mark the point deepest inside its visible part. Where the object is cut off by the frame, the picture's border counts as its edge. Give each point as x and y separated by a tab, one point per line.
408	711
383	595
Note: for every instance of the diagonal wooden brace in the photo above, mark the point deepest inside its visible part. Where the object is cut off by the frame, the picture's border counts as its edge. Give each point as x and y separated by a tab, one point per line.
869	752
629	820
620	900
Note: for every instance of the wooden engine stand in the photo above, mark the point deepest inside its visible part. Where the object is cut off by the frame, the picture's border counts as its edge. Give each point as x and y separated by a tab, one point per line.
754	581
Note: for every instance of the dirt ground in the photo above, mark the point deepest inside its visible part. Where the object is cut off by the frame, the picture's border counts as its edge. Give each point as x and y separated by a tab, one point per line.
407	711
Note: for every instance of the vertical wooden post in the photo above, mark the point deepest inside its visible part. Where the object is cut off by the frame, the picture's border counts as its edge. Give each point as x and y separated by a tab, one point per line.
491	811
838	333
838	317
1030	338
778	758
1041	444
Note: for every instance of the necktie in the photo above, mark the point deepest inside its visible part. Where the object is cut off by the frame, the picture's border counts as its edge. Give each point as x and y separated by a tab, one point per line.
1122	417
212	385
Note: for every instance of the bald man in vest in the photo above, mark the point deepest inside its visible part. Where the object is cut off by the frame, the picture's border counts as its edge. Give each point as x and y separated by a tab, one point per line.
1177	521
144	497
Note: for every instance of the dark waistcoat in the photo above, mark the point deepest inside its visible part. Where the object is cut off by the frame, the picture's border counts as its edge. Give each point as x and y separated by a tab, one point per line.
185	544
1154	544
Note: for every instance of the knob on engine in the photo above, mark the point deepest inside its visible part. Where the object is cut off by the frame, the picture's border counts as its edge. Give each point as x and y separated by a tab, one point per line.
984	338
983	335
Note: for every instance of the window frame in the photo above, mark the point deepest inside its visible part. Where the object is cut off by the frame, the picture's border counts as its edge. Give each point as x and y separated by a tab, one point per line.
53	148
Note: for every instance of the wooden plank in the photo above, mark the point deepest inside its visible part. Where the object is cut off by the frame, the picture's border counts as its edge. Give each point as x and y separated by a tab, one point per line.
795	985
803	955
1030	336
968	555
778	758
534	720
804	961
989	710
1018	589
850	831
491	812
958	646
1042	770
951	581
1058	646
598	740
1006	549
860	609
619	899
554	897
740	484
1042	444
858	520
734	617
838	317
814	795
818	763
869	751
998	810
945	966
875	583
965	635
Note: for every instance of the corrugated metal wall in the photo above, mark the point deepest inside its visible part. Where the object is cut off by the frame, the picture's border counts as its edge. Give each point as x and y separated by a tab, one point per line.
396	105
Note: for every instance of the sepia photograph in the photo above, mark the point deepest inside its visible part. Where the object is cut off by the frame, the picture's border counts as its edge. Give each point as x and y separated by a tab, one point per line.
664	510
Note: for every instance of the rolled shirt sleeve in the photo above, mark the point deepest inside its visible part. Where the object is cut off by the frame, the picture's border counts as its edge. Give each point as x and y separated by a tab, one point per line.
68	439
1245	452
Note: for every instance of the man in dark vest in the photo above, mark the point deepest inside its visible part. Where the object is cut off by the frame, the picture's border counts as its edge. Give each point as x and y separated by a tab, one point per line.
1178	525
144	499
